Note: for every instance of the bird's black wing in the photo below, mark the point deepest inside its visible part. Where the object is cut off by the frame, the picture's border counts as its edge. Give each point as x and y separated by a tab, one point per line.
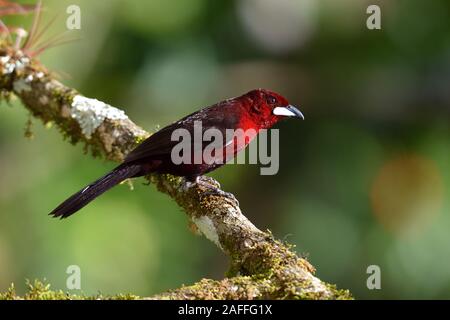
160	144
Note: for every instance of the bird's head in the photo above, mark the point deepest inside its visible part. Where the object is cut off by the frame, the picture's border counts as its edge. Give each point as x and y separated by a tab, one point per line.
267	108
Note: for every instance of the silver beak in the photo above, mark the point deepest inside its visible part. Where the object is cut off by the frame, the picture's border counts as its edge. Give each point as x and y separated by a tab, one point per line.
288	111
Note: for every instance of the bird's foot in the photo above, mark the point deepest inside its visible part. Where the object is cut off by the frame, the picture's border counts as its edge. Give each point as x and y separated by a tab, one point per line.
213	188
223	194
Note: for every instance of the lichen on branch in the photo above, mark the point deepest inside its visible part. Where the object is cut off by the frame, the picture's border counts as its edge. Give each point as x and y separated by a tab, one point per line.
261	267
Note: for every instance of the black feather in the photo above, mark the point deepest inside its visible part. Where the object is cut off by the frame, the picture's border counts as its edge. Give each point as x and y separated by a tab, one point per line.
95	189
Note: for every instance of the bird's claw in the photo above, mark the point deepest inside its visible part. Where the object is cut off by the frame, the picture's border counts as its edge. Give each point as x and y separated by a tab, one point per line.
212	188
207	181
223	194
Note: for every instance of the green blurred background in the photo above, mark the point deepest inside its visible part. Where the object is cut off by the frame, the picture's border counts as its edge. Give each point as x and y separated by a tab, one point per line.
364	180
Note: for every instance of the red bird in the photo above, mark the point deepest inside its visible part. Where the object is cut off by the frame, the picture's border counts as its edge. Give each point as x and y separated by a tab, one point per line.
258	109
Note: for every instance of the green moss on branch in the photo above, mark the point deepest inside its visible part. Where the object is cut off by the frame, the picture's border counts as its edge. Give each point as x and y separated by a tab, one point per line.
38	290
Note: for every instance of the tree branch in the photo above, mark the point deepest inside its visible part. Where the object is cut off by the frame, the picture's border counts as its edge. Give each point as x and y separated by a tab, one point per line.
261	267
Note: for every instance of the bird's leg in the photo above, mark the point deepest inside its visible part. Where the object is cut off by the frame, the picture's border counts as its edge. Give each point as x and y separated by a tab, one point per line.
214	188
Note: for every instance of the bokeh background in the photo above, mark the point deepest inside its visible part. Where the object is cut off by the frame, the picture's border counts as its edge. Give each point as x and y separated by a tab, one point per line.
364	180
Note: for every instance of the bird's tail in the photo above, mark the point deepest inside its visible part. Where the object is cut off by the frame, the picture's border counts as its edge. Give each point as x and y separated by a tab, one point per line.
95	189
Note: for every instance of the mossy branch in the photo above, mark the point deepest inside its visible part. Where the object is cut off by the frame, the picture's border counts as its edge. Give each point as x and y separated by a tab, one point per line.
261	267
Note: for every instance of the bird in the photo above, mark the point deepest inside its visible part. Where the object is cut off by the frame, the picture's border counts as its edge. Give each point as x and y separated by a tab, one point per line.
251	112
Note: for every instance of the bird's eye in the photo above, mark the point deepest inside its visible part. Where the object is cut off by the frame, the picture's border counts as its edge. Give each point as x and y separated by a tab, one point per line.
271	100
